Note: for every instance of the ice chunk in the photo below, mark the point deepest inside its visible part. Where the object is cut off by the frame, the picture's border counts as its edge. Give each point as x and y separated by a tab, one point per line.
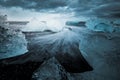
103	54
51	70
103	25
12	43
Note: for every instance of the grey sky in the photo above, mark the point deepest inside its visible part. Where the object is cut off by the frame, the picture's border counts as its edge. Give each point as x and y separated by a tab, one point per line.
100	8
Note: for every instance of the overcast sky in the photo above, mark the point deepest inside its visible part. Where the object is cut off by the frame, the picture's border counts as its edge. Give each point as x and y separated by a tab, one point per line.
26	8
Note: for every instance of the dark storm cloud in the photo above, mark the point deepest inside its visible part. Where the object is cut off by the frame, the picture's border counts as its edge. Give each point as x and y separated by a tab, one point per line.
110	10
34	4
100	8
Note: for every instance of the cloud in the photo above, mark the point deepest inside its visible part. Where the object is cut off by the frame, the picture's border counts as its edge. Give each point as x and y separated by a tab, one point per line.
34	4
99	8
110	10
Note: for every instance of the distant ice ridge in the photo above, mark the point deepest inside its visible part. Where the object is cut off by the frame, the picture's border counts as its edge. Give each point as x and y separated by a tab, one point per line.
104	25
37	25
12	43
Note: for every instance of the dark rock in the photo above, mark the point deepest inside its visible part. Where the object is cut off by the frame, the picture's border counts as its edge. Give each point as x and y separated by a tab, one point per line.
18	71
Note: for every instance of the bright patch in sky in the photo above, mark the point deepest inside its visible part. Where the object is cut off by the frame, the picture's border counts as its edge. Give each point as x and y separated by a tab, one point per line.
51	21
40	21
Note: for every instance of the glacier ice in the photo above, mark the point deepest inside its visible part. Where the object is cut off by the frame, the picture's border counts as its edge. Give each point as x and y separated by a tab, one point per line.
103	54
51	70
12	43
103	25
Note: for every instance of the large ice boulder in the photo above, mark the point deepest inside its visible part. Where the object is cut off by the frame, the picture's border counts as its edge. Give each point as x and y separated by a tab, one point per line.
103	25
12	43
103	53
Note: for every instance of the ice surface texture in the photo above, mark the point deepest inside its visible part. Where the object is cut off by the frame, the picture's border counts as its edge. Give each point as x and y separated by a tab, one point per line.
12	43
104	25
